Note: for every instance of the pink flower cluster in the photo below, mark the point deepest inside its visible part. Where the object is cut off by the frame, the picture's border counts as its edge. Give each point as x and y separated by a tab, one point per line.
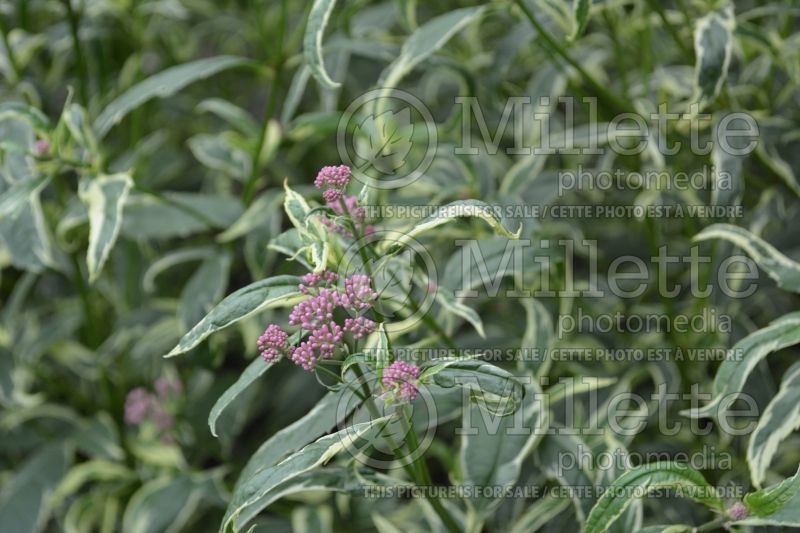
401	378
141	405
316	315
272	342
357	215
333	179
738	511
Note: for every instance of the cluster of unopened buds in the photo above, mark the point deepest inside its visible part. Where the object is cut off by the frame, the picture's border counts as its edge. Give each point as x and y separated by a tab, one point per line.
315	315
402	380
142	405
332	180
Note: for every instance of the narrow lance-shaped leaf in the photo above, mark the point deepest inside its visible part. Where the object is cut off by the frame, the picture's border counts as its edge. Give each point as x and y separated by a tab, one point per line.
643	479
312	456
743	358
537	339
312	41
329	479
766	502
580	10
448	213
254	370
326	414
493	447
15	197
779	420
713	42
30	114
451	304
270	292
783	270
425	41
104	197
550	454
161	85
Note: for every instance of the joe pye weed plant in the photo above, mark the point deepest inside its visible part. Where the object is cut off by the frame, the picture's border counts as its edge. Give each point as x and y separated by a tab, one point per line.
519	266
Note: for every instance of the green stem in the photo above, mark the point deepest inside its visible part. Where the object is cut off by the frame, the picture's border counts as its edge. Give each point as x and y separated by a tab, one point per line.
252	181
714	524
421	477
422	467
603	94
83	78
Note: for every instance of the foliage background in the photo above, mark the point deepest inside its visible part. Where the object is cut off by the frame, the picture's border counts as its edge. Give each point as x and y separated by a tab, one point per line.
203	198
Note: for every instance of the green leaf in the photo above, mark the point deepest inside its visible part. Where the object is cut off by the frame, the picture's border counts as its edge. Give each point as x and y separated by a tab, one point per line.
551	453
27	238
490	386
643	479
259	214
449	212
312	519
713	43
539	513
783	270
329	479
382	353
537	339
770	500
520	176
326	414
178	214
271	292
425	41
580	10
452	305
77	122
493	448
254	370
104	197
218	153
95	470
204	289
23	499
161	85
232	114
778	421
167	505
312	41
26	113
297	209
744	356
16	197
249	498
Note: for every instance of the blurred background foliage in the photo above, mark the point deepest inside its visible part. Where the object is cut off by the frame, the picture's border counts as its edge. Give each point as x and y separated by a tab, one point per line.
204	168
